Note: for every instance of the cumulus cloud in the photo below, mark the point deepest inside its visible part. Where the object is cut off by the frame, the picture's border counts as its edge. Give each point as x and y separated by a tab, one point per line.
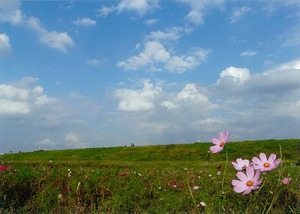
71	137
151	21
155	57
258	105
85	22
53	39
271	6
237	75
141	7
173	33
154	52
190	98
291	37
73	140
46	143
93	61
238	13
138	100
4	45
17	99
262	89
200	8
10	12
248	53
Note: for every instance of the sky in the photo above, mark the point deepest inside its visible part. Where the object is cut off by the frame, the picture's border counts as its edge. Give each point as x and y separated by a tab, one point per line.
102	73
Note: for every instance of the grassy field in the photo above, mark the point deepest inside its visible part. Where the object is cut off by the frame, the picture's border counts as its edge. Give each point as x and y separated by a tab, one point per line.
183	178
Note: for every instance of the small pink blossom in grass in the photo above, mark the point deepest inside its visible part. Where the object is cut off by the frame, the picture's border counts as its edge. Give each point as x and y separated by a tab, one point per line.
3	167
286	181
219	142
248	182
196	187
264	164
240	164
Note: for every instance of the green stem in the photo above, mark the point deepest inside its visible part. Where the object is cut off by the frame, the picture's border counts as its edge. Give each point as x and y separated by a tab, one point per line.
225	170
254	196
194	201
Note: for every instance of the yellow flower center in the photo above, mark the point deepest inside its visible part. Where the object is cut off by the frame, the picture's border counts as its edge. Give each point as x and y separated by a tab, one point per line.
221	144
266	165
249	183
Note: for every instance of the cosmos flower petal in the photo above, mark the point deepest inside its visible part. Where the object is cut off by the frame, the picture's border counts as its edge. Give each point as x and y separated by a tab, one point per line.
263	157
226	135
239	189
272	158
250	172
242	176
247	191
215	141
215	149
237	183
220	135
239	161
277	162
255	160
257	175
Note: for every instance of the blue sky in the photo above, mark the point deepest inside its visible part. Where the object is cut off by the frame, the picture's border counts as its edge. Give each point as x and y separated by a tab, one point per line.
77	74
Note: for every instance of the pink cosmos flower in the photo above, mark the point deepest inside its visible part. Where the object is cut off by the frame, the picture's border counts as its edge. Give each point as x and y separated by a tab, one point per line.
286	181
3	167
249	181
264	164
240	164
196	187
219	142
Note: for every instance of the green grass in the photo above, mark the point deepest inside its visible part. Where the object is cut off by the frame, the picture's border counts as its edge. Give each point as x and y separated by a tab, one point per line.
146	179
173	152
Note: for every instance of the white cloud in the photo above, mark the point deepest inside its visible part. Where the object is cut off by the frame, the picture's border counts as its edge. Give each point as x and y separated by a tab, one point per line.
200	8
85	22
291	37
262	89
265	105
141	7
271	6
151	21
155	57
154	52
285	66
10	12
248	53
238	13
53	39
138	100
73	140
46	143
238	75
105	11
173	33
16	99
190	98
93	62
9	107
168	104
183	63
4	45
71	137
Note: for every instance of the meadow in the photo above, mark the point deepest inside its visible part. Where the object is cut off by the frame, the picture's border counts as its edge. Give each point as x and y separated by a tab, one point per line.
177	178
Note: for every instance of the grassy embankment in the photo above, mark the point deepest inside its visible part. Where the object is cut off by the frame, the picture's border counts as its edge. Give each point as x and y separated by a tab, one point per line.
160	179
